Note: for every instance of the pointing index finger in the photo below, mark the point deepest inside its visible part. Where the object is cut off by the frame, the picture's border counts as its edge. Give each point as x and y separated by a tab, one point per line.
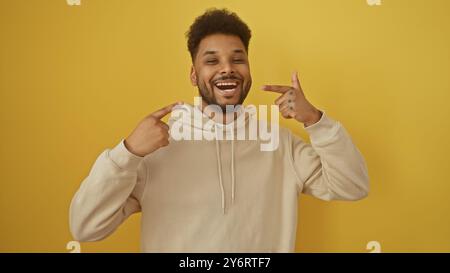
276	88
164	111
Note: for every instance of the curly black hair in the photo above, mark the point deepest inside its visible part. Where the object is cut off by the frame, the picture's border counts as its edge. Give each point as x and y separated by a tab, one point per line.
216	21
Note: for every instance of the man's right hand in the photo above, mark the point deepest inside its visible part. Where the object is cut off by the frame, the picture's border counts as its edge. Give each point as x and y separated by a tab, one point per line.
150	134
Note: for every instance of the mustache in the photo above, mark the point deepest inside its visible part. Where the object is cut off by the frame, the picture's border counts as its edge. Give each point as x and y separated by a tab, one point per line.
227	77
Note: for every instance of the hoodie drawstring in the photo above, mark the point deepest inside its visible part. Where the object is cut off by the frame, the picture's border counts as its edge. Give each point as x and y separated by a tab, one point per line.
219	168
232	171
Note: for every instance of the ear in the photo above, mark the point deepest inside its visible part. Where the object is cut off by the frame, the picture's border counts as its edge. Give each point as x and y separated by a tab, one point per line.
193	76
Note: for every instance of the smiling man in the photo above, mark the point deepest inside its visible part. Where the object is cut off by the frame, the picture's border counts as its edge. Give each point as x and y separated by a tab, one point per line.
229	86
216	194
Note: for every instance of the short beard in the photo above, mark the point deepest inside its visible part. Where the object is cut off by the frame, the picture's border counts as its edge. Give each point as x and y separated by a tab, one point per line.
209	97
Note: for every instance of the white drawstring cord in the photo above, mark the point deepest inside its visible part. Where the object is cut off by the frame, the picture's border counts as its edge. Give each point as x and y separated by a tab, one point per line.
232	172
219	167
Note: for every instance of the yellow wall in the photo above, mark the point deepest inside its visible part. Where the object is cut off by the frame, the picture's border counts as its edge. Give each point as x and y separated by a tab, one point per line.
74	80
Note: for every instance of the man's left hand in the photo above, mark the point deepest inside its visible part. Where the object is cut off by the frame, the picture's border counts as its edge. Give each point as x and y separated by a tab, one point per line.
293	103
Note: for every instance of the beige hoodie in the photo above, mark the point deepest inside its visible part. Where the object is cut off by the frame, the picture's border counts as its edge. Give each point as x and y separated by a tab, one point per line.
218	195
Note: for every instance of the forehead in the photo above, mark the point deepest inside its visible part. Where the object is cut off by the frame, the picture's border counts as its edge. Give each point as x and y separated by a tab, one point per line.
221	43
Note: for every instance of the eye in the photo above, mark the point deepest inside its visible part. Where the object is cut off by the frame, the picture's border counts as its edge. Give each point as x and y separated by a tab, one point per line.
239	61
211	61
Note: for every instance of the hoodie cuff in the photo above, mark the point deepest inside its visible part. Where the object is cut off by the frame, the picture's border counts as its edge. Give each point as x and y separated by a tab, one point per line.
124	158
322	130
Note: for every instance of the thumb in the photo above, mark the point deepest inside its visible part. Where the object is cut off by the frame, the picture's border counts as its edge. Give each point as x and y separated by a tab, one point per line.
164	111
295	81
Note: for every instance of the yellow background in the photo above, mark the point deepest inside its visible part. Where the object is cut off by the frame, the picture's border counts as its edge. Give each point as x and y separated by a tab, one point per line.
74	80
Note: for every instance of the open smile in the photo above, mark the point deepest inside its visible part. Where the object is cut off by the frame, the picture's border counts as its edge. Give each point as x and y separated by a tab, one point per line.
227	88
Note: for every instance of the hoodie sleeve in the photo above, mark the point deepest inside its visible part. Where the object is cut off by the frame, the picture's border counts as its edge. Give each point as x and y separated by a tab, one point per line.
331	167
108	195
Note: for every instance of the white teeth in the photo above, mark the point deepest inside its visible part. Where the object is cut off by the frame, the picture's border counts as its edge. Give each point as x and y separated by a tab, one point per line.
231	84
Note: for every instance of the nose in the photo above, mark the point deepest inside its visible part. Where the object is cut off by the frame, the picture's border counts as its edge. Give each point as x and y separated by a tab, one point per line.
227	68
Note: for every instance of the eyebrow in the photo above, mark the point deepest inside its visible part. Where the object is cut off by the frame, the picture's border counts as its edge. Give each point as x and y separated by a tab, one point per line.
214	52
